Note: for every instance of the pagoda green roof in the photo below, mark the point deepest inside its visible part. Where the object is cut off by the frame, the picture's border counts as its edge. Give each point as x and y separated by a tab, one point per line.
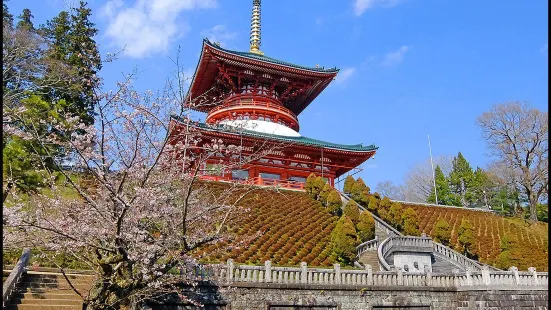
269	59
298	140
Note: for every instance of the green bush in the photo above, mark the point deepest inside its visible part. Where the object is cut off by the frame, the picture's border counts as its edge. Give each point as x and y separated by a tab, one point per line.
334	202
344	241
351	210
442	232
324	193
395	215
410	222
373	204
348	183
465	237
366	227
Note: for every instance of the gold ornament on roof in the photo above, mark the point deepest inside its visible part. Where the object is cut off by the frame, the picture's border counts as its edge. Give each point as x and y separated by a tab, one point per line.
255	29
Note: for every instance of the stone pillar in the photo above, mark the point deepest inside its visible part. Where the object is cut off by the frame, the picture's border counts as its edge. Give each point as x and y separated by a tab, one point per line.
229	275
303	273
428	273
369	274
485	275
534	274
400	275
337	268
268	274
515	274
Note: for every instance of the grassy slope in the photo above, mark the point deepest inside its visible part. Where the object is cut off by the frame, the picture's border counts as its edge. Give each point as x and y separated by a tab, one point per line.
286	227
532	248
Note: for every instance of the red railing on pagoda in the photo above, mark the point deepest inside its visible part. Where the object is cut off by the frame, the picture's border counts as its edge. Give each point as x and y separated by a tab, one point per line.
286	184
255	105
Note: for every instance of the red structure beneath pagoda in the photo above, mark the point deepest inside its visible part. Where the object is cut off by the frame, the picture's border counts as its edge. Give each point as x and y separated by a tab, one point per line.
252	100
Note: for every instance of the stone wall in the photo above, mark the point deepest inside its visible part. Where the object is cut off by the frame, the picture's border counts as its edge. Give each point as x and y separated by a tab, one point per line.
271	296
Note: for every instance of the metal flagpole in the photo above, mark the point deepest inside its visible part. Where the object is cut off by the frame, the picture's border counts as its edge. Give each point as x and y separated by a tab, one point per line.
433	176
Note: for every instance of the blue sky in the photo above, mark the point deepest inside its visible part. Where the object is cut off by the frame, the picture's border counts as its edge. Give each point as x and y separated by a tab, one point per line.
408	67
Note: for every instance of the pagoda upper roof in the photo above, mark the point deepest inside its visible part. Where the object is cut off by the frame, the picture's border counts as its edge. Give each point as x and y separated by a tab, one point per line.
270	59
278	138
213	56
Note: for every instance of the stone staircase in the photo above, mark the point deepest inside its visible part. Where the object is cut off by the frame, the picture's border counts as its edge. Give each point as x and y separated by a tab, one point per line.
370	258
44	288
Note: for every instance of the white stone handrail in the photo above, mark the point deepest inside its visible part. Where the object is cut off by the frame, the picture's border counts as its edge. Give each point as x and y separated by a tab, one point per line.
232	273
457	257
382	252
370	245
15	275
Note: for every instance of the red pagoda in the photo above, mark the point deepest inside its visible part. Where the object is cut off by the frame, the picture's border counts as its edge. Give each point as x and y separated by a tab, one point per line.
252	99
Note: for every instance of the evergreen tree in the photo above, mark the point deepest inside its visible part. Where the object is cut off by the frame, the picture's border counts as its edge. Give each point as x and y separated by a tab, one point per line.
334	202
462	180
7	17
445	195
25	20
324	193
348	183
344	241
309	185
373	204
442	232
384	208
465	237
365	227
352	211
395	215
71	38
357	188
410	222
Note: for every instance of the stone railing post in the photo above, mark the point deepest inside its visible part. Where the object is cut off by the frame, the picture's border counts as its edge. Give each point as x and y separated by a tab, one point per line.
468	276
229	274
268	273
400	275
485	275
515	273
534	274
303	273
369	274
337	268
428	274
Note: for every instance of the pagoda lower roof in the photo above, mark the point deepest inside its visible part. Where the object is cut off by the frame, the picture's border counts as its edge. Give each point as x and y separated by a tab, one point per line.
301	140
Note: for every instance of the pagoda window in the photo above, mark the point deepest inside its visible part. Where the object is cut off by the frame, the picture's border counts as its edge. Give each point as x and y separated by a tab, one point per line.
277	162
264	160
270	176
298	179
240	174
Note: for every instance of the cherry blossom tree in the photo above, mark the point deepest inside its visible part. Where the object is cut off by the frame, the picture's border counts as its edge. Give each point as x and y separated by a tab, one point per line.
138	209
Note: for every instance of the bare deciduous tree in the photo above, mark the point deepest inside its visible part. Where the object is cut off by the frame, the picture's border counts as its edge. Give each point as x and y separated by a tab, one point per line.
517	135
419	184
388	189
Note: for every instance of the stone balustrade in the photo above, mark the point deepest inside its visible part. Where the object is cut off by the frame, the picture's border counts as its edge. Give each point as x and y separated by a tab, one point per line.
457	258
233	273
370	245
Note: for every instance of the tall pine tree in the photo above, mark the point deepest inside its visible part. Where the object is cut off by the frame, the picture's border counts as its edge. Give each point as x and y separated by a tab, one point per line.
445	195
462	180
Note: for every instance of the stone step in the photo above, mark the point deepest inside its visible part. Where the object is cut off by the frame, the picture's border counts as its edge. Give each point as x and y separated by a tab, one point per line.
48	290
61	302
370	258
58	285
58	280
56	270
58	275
43	307
47	294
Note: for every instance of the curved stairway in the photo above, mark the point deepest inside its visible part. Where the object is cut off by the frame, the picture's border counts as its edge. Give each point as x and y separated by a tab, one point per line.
443	258
46	288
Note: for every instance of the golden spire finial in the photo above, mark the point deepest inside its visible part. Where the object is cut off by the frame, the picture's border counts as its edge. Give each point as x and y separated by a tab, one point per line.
255	29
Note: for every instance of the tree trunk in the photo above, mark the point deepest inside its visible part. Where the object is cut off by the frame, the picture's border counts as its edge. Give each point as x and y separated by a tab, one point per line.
533	210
